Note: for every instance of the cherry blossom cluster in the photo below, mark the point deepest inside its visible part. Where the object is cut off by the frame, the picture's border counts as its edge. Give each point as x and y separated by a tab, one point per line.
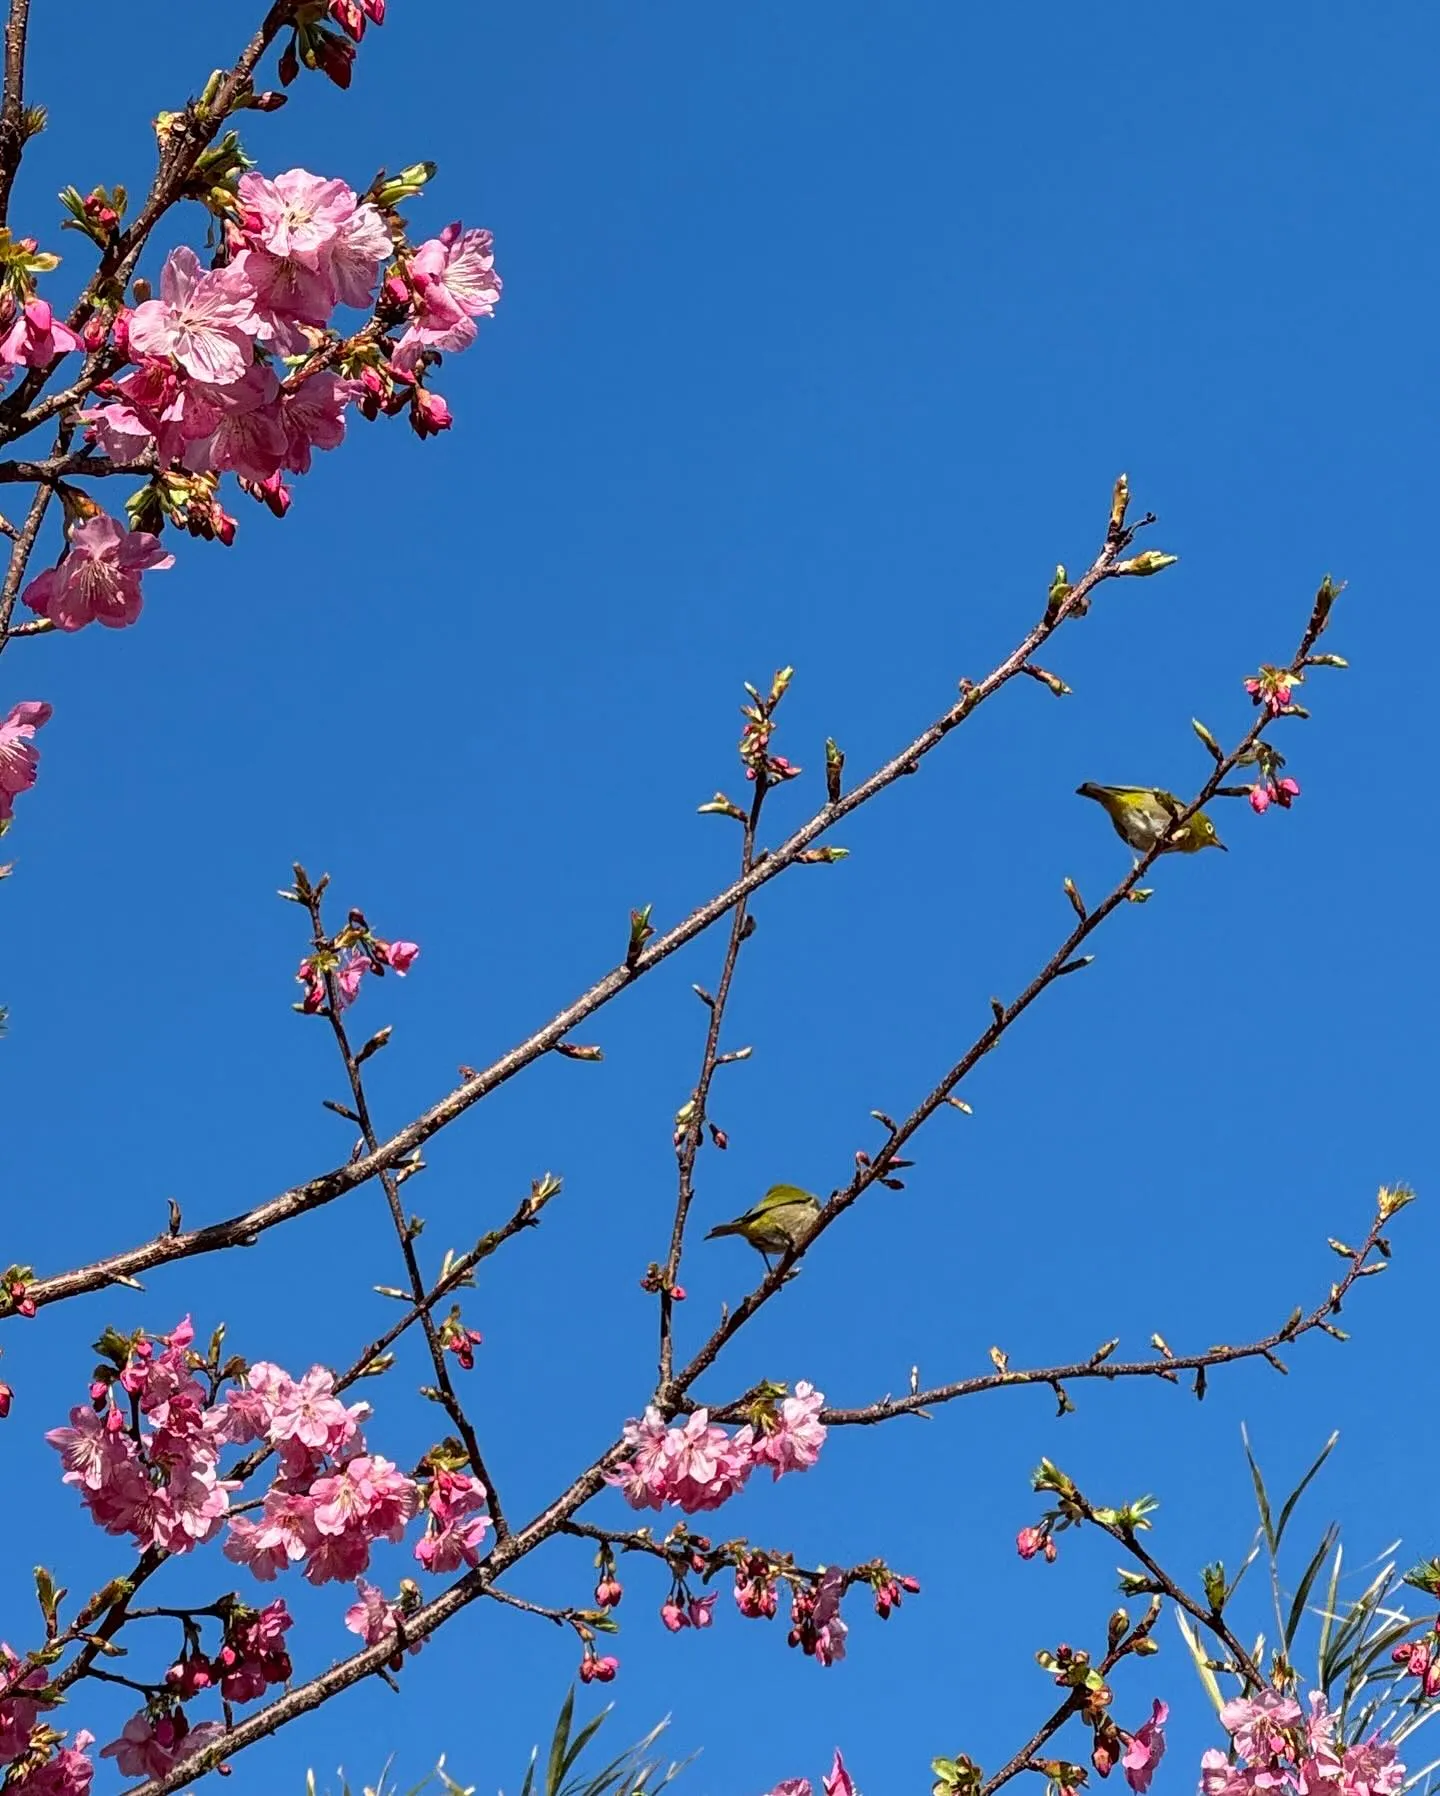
231	369
355	952
1277	1749
331	1500
144	1453
698	1466
1421	1659
836	1784
31	1749
157	1737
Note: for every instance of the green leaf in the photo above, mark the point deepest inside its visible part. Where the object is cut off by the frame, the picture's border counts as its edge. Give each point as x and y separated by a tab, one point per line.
1197	1653
555	1770
1267	1527
1300	1488
1328	1540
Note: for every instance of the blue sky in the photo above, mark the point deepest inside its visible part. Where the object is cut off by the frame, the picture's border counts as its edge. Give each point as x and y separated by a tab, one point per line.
825	331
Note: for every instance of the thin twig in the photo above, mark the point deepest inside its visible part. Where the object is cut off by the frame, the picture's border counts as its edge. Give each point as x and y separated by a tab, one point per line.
444	1387
695	1129
889	1407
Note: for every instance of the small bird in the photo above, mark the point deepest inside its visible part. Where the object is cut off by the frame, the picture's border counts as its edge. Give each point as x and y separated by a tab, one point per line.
1142	814
778	1224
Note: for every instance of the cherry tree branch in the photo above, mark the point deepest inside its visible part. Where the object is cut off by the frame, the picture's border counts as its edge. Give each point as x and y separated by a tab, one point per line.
12	109
1101	1366
444	1389
189	133
1065	960
559	1512
299	1200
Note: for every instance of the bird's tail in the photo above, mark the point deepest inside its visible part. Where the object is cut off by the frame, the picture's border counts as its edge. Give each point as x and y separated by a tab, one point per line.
725	1228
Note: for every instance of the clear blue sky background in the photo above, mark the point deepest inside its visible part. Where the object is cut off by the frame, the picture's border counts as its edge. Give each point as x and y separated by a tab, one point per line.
825	331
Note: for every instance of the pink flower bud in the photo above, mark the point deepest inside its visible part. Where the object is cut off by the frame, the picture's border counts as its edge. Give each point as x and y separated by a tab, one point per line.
1050	1550
699	1614
400	956
7	1397
674	1617
1028	1542
429	414
1259	799
608	1593
26	1306
99	1391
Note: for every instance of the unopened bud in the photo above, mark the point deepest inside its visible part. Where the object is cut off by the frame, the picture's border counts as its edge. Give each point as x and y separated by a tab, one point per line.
1151	562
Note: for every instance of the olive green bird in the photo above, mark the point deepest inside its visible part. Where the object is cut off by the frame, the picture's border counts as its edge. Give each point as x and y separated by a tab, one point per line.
1142	814
778	1224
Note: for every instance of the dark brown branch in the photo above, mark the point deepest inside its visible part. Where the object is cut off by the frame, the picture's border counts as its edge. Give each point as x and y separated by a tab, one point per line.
242	1230
20	553
12	109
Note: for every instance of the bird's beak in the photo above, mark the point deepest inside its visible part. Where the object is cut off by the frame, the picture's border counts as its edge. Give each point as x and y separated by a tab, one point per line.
1220	845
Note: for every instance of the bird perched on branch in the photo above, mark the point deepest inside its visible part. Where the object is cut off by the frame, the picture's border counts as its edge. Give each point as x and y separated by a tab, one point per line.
1142	814
778	1224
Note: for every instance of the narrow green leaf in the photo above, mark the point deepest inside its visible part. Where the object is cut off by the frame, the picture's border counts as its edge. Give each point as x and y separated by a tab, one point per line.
1261	1499
1299	1489
555	1769
1198	1654
1302	1589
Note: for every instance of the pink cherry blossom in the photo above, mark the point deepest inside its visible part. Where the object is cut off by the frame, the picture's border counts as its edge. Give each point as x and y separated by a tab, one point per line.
1145	1749
695	1465
374	1618
455	1527
361	244
794	1441
401	956
150	1748
1258	1724
37	337
254	1655
88	1449
204	320
98	581
313	417
793	1786
296	216
249	436
288	294
699	1612
454	279
19	758
284	1535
